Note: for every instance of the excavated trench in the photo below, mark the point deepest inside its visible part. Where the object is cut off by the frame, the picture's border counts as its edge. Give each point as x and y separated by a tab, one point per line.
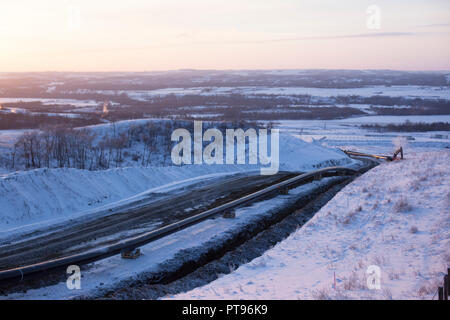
194	267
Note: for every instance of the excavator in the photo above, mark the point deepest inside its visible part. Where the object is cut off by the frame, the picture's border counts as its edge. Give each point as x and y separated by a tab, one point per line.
385	157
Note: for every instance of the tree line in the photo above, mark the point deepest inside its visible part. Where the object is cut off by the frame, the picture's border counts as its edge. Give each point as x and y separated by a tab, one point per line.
84	148
143	144
409	126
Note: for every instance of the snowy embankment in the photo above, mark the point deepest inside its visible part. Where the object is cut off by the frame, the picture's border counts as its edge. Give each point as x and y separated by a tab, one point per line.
46	194
396	217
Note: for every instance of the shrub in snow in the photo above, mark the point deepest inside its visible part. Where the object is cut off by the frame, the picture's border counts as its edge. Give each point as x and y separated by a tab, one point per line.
353	282
387	293
402	205
135	157
413	229
394	276
321	294
429	287
351	215
379	260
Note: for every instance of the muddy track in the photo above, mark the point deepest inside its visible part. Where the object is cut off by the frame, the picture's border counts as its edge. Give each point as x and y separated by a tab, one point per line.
158	213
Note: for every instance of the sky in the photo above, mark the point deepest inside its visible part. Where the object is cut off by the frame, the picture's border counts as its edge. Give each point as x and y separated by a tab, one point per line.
132	35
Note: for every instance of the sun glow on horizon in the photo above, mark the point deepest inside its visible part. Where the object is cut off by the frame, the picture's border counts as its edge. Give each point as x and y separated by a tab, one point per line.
53	35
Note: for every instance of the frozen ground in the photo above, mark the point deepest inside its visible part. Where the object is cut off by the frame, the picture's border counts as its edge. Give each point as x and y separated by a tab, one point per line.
396	217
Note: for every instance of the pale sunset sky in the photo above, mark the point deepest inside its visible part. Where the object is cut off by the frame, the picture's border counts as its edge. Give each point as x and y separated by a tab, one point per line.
132	35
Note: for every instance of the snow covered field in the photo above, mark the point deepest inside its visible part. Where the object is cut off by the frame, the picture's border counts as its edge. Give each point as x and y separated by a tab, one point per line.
395	217
346	134
72	102
410	91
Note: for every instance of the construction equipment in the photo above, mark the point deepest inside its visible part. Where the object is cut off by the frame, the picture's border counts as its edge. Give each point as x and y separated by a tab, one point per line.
399	150
385	157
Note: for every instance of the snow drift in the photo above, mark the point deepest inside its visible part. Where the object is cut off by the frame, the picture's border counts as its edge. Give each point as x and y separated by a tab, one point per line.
44	194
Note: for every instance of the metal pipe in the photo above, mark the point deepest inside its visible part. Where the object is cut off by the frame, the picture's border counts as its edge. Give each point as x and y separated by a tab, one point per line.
134	242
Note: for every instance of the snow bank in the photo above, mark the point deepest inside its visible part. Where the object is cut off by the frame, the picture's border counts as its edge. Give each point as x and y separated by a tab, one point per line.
298	155
44	194
40	194
396	217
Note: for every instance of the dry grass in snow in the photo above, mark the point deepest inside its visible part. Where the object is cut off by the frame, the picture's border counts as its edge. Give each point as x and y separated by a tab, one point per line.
395	217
